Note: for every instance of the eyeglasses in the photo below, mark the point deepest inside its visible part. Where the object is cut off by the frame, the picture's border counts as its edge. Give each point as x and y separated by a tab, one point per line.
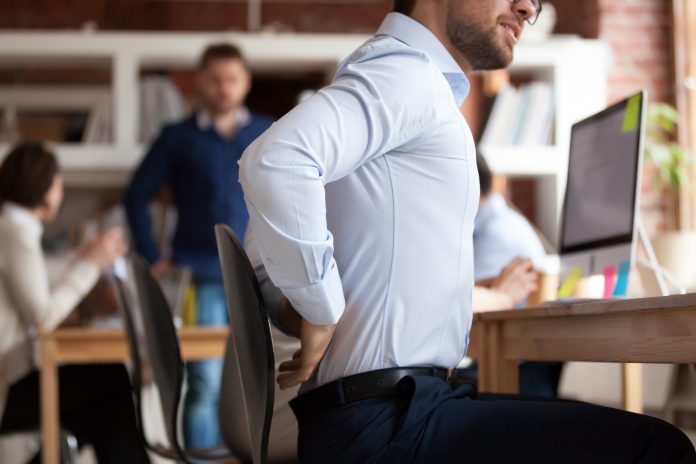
537	8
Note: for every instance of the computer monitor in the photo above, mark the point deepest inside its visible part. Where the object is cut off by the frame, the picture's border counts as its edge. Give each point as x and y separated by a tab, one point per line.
599	220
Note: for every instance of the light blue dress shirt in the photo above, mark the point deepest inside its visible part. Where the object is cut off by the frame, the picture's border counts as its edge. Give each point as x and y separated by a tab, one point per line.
362	201
501	234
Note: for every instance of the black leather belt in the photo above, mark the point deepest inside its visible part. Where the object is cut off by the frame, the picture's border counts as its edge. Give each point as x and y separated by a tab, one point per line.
367	385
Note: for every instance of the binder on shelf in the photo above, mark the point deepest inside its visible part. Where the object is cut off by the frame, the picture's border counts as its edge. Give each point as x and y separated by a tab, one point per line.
99	127
501	119
536	129
161	102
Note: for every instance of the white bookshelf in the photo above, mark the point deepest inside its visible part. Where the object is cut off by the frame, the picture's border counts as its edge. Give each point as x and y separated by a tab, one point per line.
576	69
127	54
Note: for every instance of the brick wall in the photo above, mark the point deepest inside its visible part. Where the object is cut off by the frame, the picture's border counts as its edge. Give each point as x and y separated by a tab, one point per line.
191	15
579	17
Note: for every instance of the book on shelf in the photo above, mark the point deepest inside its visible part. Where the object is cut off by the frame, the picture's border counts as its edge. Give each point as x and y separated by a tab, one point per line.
520	116
161	103
99	127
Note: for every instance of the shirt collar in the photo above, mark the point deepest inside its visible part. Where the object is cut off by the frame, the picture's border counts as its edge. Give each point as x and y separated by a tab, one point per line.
21	215
203	121
414	34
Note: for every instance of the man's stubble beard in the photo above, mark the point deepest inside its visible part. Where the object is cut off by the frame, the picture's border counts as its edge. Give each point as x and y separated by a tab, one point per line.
481	47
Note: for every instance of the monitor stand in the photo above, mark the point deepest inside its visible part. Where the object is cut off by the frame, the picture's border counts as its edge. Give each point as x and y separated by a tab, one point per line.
661	274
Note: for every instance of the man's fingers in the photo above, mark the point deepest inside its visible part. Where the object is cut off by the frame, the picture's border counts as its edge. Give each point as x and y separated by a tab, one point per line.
290	365
291	379
286	381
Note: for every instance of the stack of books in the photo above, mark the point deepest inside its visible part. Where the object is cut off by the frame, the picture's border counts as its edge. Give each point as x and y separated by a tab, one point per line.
521	117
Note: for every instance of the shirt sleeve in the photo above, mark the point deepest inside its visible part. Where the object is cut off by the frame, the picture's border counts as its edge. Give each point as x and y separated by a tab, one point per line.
372	107
43	305
147	181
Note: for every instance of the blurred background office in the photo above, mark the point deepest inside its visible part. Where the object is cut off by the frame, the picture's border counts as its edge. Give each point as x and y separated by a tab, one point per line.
98	80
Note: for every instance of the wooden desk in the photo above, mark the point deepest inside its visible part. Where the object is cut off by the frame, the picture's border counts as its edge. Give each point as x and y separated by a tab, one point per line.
645	330
86	345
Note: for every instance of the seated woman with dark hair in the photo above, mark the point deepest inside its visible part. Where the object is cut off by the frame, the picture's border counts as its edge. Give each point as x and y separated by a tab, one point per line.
95	401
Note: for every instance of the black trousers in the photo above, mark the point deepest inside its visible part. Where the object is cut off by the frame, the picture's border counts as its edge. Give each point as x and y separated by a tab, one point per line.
95	405
431	422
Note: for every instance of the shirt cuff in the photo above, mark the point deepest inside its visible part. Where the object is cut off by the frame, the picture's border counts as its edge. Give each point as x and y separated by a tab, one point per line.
321	303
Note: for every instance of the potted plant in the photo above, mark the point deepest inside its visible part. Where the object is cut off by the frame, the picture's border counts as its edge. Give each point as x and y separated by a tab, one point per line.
676	247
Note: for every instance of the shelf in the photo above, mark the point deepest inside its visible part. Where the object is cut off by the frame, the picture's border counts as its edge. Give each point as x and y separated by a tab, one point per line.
153	49
576	68
526	161
83	157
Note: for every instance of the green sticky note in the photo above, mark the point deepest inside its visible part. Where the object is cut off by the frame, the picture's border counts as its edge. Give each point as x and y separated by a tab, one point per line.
571	281
630	123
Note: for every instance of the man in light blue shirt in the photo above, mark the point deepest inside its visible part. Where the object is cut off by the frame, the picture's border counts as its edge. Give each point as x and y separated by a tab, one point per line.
362	200
501	233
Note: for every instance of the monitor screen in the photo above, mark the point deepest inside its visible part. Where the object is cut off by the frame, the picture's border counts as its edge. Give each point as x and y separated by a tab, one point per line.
600	197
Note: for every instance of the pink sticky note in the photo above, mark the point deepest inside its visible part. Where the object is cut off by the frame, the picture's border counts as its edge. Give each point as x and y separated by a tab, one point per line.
609	281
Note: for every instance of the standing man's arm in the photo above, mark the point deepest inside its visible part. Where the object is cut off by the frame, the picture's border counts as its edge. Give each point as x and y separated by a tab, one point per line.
147	181
363	114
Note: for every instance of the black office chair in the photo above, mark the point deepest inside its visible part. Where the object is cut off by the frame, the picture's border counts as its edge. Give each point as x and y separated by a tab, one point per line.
154	347
246	397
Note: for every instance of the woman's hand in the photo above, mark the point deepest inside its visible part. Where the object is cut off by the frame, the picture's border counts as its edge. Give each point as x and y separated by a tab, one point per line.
103	249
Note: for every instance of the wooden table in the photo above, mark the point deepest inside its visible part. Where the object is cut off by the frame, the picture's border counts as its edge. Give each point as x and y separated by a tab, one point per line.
645	330
86	345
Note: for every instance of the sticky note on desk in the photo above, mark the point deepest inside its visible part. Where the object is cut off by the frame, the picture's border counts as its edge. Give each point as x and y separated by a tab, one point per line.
630	123
609	281
622	280
569	284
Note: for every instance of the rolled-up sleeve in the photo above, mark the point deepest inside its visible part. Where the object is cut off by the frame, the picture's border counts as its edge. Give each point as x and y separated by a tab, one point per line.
366	112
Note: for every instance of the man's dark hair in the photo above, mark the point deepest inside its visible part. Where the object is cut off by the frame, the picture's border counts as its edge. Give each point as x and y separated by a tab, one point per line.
26	175
404	6
485	175
220	51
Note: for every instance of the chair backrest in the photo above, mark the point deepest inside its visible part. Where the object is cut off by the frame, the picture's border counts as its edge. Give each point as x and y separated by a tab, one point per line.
153	326
137	358
245	407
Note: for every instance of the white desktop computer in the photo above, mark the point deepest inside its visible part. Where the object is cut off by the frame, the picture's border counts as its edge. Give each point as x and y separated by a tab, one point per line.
599	223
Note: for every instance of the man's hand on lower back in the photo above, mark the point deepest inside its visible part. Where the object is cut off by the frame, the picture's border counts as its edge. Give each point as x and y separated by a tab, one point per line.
315	341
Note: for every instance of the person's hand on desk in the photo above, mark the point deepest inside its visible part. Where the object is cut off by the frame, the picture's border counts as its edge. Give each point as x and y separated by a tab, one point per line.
315	341
103	249
517	280
513	285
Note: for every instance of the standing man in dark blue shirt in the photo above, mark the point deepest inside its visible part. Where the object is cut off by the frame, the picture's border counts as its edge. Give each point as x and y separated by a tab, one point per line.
197	158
